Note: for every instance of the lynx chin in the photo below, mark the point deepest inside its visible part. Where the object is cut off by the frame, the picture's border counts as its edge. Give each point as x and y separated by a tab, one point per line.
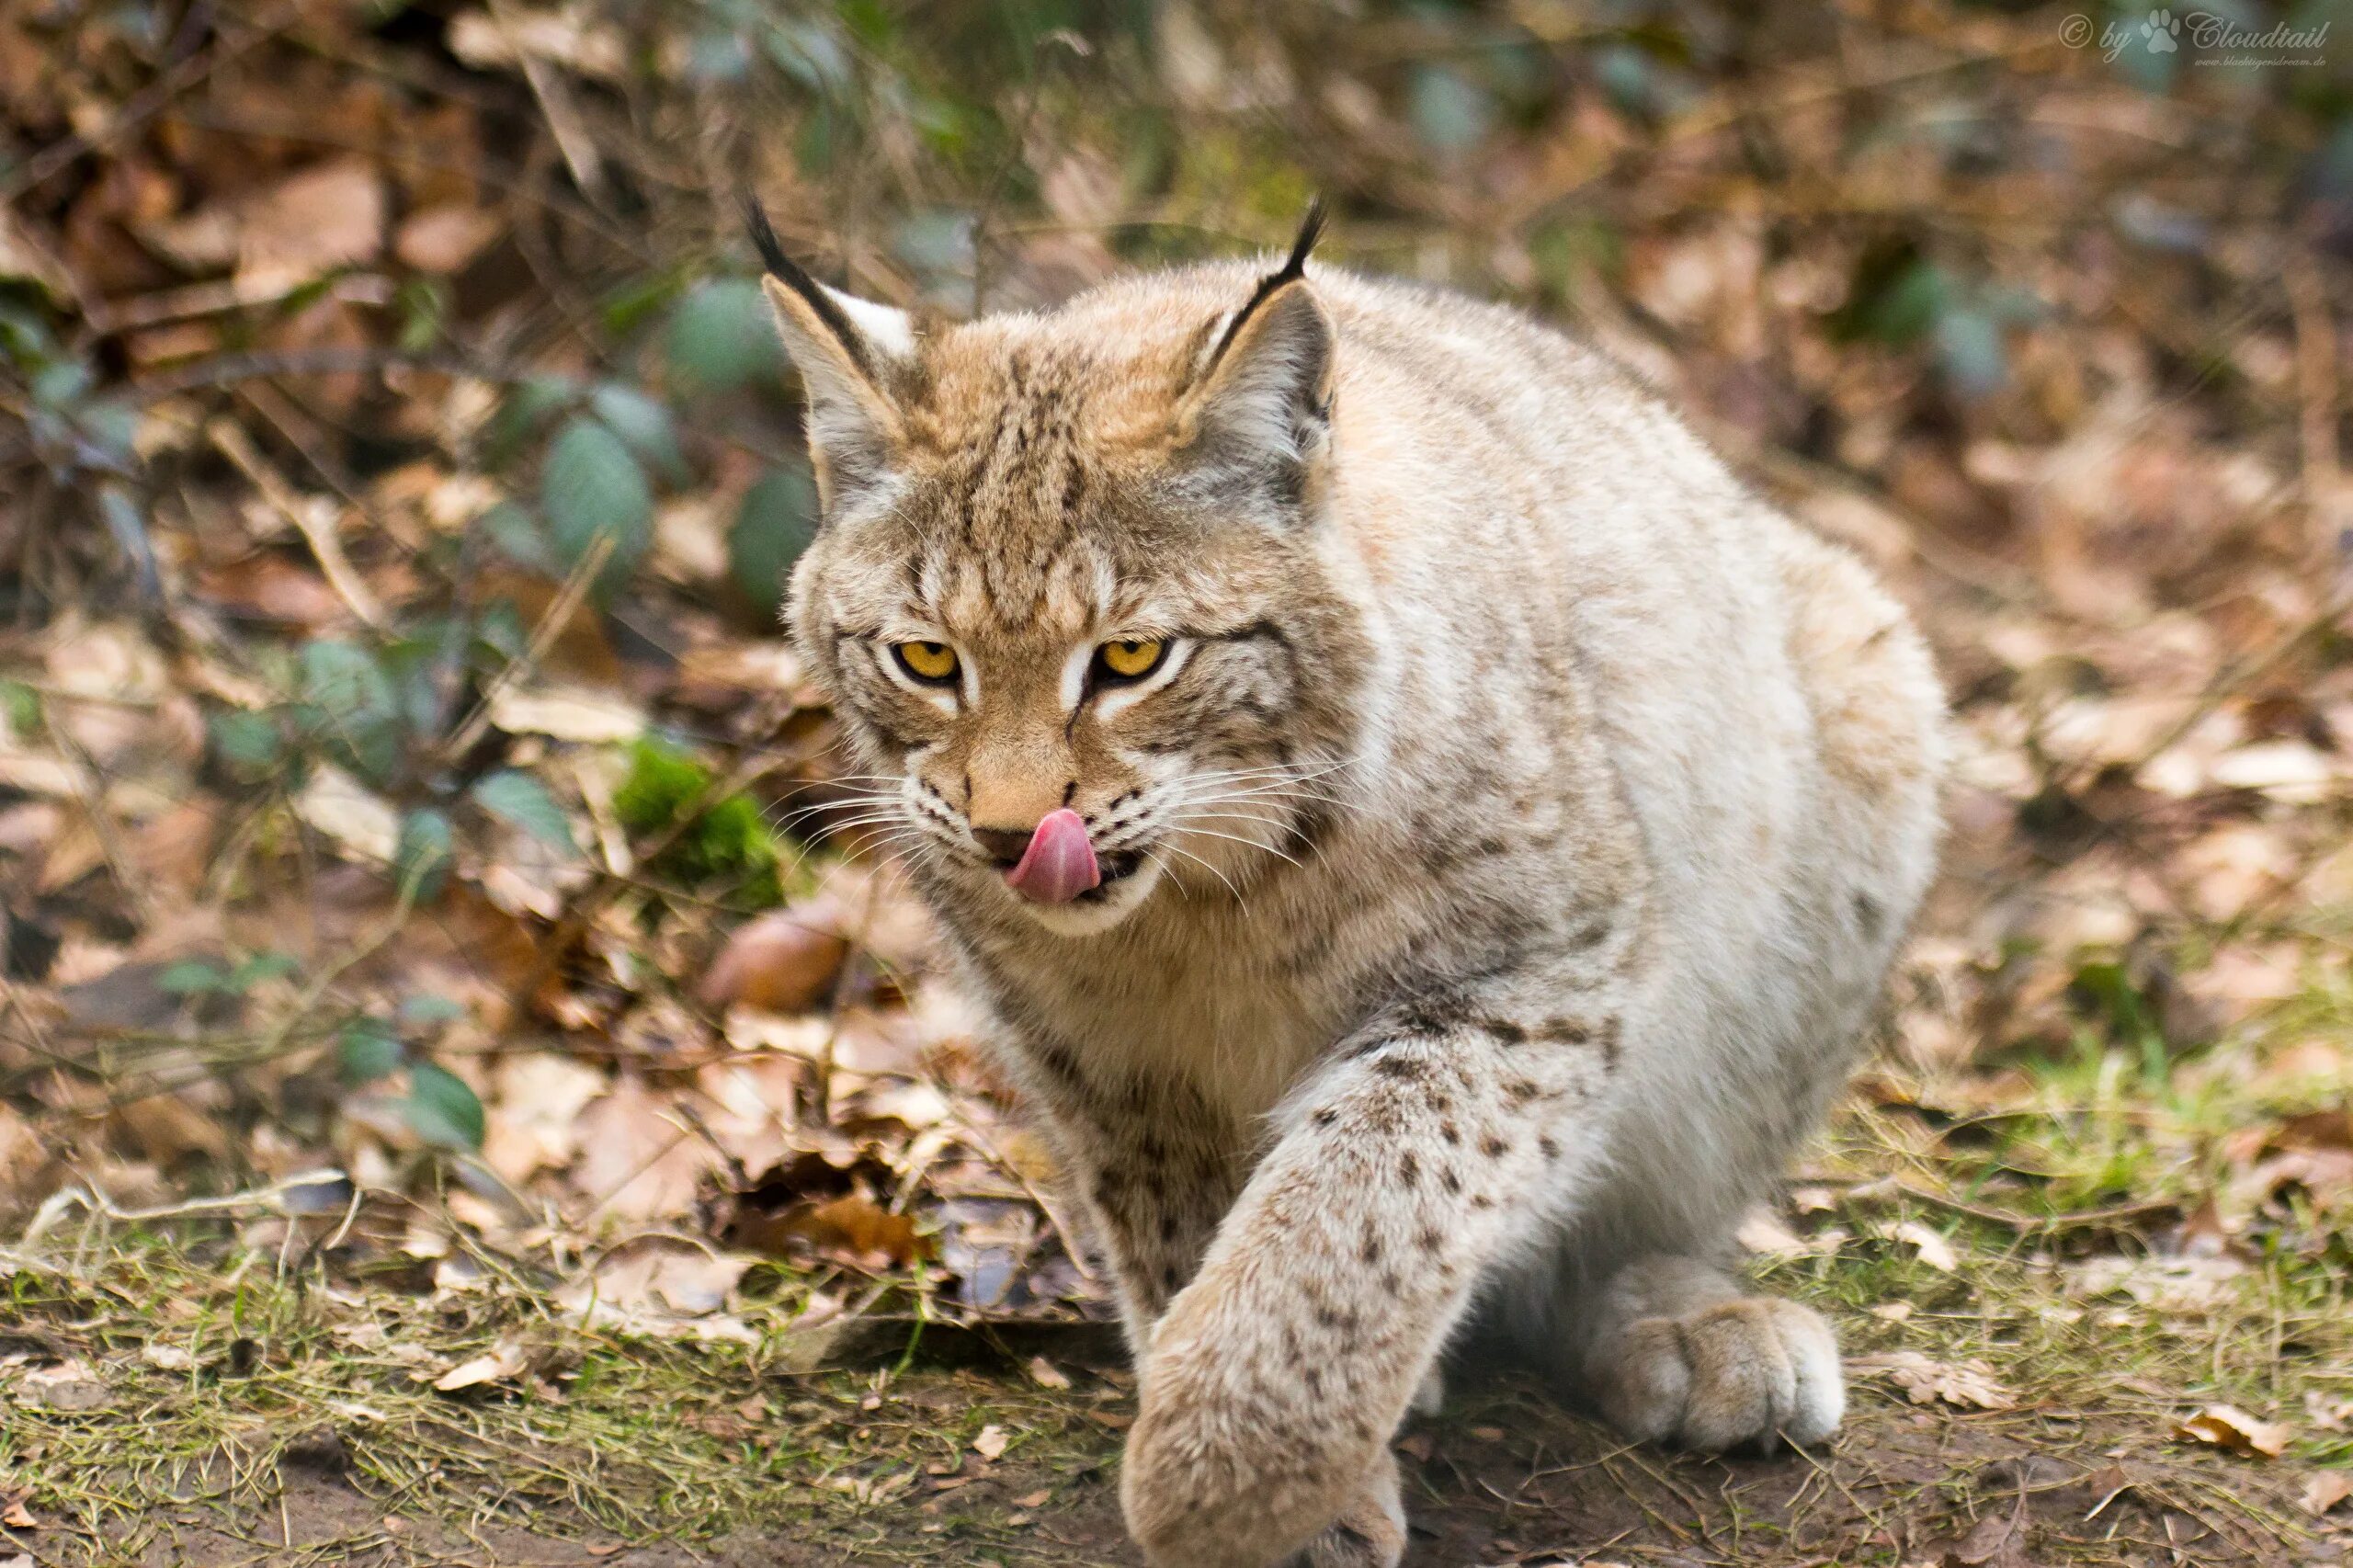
1429	841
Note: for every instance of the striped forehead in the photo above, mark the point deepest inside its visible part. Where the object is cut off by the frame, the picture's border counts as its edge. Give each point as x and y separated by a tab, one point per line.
1058	598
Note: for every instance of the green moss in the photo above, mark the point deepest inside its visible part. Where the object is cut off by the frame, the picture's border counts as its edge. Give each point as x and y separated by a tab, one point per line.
728	841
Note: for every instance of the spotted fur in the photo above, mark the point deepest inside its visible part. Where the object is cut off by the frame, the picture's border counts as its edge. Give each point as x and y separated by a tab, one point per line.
1510	864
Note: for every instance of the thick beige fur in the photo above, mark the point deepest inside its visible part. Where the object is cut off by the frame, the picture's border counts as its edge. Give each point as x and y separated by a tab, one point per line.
1521	827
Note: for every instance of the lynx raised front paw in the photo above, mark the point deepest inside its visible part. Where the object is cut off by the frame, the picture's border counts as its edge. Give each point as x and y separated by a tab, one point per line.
1741	1371
1370	1532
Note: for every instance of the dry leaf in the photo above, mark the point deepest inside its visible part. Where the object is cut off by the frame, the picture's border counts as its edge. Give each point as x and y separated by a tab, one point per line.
1934	1250
2228	1427
637	1161
659	1277
348	811
1046	1375
533	1113
856	1224
17	1517
503	1362
70	1385
780	962
2325	1489
325	216
444	238
568	713
990	1443
1964	1385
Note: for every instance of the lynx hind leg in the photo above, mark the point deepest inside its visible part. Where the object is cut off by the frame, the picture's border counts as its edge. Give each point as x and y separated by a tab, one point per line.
1680	1356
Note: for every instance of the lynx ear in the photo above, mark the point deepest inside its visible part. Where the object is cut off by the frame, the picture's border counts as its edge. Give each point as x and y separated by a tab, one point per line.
849	352
1261	408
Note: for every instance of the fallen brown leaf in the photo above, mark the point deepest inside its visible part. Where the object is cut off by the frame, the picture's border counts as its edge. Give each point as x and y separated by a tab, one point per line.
2325	1489
70	1385
1934	1250
1964	1385
503	1362
2230	1428
780	962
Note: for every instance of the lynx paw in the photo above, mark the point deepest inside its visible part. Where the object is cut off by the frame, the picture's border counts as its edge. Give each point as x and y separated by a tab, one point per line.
1739	1372
1370	1532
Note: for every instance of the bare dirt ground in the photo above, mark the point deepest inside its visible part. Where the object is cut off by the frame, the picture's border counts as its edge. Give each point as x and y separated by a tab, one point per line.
1508	1480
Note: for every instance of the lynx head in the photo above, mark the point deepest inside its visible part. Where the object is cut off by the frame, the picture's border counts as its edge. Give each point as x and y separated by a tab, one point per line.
1070	594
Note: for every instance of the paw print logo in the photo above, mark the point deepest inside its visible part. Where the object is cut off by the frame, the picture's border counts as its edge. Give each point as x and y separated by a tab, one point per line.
2159	29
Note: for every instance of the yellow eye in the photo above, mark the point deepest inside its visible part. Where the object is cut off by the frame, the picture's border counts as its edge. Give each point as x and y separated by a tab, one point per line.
933	662
1131	660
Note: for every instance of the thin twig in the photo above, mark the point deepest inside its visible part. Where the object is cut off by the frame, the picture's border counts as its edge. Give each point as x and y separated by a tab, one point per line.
551	626
95	1200
326	546
227	369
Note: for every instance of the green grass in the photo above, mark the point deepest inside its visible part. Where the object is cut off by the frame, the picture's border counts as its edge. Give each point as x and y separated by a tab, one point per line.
218	1370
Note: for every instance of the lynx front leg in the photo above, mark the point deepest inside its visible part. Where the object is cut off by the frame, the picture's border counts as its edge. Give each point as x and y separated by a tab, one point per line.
1273	1383
1157	1169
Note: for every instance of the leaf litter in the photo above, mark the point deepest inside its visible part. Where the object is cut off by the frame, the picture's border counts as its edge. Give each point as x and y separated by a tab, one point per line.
401	774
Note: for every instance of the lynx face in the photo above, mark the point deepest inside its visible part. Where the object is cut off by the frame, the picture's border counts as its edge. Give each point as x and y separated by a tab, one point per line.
1067	595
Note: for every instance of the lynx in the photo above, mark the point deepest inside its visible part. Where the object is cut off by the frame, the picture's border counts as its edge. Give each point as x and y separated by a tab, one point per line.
1429	842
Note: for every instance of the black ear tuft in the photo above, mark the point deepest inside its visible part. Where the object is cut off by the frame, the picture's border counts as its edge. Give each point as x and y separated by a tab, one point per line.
1294	267
793	276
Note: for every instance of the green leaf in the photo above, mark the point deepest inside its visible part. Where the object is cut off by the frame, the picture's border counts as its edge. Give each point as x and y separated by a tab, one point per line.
366	1049
721	337
427	1010
59	385
444	1112
425	853
193	977
1970	350
526	409
645	427
353	704
773	526
19	707
346	680
516	534
524	802
1908	309
258	968
112	426
246	744
591	488
424	307
626	307
1451	112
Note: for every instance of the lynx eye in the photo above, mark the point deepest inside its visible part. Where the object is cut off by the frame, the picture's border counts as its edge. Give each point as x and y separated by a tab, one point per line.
1131	660
933	663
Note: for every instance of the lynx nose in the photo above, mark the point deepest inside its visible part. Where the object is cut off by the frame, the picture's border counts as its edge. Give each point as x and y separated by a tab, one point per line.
1006	845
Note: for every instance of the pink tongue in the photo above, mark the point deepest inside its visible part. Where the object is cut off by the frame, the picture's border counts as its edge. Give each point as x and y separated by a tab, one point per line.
1059	865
